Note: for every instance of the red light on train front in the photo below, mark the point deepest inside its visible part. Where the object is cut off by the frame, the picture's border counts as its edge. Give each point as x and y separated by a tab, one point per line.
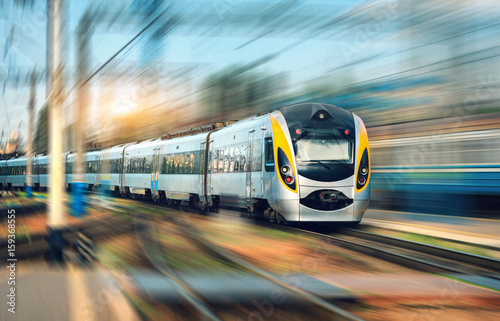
346	132
289	179
298	131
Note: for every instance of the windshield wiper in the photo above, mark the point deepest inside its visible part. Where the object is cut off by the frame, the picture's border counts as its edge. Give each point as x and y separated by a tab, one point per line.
321	163
341	162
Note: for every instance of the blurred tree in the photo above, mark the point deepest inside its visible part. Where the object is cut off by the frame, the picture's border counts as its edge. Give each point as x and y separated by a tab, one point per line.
42	132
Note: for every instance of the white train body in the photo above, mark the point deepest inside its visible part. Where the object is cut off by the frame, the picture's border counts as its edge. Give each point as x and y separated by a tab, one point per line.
308	162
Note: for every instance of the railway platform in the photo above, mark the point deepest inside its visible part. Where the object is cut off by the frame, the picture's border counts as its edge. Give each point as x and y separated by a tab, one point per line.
481	231
51	293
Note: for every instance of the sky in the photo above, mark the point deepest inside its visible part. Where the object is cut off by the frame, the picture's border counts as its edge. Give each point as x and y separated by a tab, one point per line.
28	45
213	35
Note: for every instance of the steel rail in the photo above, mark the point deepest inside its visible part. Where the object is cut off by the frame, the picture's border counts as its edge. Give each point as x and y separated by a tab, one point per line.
473	259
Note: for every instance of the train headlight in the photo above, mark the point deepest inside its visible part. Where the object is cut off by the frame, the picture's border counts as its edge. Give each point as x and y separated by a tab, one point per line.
321	115
363	170
285	169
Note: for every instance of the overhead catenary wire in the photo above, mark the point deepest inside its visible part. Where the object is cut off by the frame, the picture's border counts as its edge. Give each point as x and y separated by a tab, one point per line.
125	46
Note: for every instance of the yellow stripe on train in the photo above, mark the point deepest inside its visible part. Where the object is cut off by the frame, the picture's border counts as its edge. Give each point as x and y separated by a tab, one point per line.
279	140
363	143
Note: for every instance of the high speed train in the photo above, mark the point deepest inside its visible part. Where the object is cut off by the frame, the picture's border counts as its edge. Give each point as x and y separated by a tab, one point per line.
308	162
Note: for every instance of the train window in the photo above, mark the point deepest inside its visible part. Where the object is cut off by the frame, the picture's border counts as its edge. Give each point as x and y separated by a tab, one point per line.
226	161
221	161
146	165
231	160
164	165
180	159
183	165
187	167
236	159
209	162
215	164
176	164
191	163
237	164
170	164
201	161
269	155
242	163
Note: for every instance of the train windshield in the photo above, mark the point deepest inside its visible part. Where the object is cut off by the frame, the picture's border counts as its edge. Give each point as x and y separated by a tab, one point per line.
323	145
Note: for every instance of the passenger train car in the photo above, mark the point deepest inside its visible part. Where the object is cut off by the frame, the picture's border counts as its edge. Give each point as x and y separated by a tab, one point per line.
308	162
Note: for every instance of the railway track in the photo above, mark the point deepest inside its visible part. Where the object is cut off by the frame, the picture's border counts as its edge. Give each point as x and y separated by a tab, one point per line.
472	268
36	245
153	252
26	209
418	256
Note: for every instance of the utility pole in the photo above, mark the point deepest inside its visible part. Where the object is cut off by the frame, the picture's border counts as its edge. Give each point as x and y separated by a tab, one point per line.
84	34
55	103
29	149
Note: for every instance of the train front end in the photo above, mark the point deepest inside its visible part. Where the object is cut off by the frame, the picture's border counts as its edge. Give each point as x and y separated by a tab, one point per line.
323	164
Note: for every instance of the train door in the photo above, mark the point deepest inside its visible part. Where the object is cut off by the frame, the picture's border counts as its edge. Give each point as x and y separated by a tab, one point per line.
201	177
155	173
248	164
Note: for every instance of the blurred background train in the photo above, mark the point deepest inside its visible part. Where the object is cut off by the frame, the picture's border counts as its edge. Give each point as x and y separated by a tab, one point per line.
305	162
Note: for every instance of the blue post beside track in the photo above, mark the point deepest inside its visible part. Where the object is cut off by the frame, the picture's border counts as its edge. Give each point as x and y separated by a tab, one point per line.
79	200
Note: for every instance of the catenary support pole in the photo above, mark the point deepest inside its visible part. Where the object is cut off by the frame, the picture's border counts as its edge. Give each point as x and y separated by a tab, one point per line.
55	104
29	148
